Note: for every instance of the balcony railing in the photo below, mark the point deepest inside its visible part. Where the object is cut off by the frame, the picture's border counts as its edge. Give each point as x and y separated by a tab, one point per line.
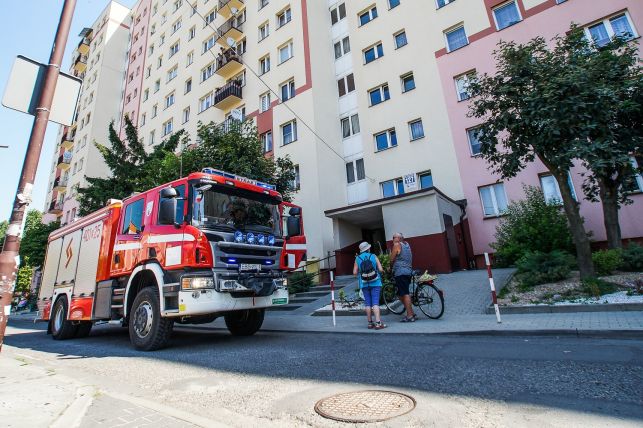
60	183
226	7
83	46
228	63
81	64
55	207
227	95
64	161
232	28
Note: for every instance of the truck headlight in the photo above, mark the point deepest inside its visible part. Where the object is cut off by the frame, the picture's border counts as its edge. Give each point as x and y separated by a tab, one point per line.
196	283
230	285
280	284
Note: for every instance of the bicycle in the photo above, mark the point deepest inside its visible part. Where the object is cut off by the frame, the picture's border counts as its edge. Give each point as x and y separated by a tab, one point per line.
425	295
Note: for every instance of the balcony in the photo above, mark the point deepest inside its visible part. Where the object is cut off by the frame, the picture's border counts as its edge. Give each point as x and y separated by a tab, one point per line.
228	96
66	142
83	46
60	184
232	28
64	161
228	64
55	208
81	64
230	125
226	6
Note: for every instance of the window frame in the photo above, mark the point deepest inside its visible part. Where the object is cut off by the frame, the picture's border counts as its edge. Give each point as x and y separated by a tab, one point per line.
453	30
370	11
291	89
403	81
378	52
609	29
494	200
466	76
385	95
503	5
391	135
395	41
293	124
291	51
410	125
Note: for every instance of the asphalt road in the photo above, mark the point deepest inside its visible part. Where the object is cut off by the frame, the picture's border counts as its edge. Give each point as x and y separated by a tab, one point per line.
277	377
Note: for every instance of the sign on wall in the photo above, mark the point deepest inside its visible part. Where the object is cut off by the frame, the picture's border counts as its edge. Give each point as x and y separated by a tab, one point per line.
410	183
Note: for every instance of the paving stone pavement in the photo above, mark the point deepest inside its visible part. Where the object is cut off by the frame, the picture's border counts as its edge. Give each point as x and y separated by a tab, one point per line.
106	411
468	292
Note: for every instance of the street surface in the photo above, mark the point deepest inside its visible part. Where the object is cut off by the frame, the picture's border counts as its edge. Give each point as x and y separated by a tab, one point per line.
275	378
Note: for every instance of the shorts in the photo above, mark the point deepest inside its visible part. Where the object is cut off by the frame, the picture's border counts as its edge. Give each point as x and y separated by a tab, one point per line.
371	296
402	283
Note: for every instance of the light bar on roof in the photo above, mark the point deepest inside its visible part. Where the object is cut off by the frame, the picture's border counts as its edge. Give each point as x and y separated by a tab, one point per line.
238	178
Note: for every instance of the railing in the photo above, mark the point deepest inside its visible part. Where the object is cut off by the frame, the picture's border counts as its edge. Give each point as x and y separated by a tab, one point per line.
61	159
230	89
60	182
55	206
223	3
236	23
229	125
226	57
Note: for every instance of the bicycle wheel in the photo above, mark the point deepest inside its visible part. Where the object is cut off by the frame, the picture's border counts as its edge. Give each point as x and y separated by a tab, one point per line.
430	300
389	295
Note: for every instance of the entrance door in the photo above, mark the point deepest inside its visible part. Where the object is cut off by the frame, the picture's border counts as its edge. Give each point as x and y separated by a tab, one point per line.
452	243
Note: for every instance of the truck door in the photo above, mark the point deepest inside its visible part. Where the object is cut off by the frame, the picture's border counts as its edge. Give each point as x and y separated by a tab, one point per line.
127	247
165	241
295	246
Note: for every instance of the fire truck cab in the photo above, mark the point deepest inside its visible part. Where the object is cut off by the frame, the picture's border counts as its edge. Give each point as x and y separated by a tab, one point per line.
209	245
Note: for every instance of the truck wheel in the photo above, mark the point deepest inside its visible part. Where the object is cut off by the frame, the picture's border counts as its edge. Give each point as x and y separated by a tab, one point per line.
148	331
61	327
84	327
244	323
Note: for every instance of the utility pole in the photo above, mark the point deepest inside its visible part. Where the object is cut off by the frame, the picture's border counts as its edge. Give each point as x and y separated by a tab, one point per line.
9	259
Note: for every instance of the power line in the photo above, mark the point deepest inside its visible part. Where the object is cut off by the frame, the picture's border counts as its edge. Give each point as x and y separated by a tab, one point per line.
276	94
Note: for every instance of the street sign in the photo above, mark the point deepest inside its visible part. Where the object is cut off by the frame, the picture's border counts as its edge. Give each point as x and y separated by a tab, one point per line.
410	183
25	84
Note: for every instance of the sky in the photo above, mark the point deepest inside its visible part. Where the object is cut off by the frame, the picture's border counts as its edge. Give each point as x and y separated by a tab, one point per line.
29	30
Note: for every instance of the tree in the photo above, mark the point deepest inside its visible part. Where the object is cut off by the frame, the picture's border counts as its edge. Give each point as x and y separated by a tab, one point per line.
533	108
25	275
235	147
3	230
132	168
614	86
33	244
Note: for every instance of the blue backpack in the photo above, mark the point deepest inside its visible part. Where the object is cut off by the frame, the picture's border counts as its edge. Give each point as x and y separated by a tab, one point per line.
367	270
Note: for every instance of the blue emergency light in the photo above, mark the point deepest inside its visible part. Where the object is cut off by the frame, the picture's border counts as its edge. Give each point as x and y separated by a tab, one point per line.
238	177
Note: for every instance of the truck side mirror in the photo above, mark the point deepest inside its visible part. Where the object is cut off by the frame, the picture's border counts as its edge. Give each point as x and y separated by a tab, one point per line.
294	211
293	226
168	193
167	211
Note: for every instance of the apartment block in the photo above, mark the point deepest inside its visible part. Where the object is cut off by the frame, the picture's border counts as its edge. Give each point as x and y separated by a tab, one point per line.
367	97
99	61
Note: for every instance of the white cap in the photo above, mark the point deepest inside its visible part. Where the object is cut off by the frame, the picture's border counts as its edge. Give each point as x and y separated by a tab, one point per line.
364	246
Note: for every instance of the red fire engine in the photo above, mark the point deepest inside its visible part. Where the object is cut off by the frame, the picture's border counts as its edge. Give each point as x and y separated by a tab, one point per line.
209	245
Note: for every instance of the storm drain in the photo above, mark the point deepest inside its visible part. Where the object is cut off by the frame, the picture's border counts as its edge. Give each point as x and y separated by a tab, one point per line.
365	406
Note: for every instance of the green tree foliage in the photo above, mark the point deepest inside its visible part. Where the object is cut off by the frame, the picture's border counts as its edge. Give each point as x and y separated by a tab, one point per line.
132	168
34	239
607	261
23	280
3	230
540	268
531	224
534	108
235	147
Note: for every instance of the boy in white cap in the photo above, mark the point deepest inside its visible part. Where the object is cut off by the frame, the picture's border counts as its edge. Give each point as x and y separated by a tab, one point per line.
368	269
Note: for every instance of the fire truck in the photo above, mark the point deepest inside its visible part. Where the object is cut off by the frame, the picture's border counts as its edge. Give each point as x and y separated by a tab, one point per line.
210	245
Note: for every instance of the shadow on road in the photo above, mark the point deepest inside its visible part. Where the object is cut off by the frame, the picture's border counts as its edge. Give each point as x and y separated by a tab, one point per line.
587	375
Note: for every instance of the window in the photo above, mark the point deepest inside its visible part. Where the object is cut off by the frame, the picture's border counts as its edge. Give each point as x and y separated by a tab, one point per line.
80	165
400	39
167	127
506	15
372	53
619	25
289	132
174	49
162	40
355	171
176	26
392	188
350	125
210	17
408	82
208	44
264	102
266	141
636	184
208	71
264	30
189	59
416	129
188	85
393	3
143	119
342	47
191	33
264	64
442	3
551	190
155	109
186	114
146	94
285	52
206	102
263	3
177	5
151	142
133	219
172	73
386	140
425	179
296	183
157	85
494	200
367	16
379	94
338	13
346	84
159	62
169	100
148	71
456	38
150	50
284	17
288	90
462	83
474	143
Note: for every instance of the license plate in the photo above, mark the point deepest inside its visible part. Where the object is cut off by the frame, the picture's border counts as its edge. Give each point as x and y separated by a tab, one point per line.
249	268
281	301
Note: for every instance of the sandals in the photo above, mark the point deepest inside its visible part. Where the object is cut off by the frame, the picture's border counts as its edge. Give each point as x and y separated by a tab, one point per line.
371	325
412	319
380	325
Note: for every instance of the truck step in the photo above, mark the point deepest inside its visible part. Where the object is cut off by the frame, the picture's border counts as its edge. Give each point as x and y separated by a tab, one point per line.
284	308
117	306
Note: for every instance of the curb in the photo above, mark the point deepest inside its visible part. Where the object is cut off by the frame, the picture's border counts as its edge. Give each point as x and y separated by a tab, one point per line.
346	313
566	309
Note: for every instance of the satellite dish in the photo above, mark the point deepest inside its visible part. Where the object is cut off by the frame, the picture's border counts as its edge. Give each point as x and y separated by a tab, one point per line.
231	42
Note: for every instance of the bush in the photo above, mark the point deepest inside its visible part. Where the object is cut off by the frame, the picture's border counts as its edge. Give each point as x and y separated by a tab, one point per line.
531	225
632	258
597	287
607	261
299	282
540	268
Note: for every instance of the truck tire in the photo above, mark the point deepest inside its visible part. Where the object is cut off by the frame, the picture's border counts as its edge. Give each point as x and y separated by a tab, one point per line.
244	323
61	327
84	327
148	331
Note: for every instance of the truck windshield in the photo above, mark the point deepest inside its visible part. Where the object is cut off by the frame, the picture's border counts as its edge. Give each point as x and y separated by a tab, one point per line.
232	209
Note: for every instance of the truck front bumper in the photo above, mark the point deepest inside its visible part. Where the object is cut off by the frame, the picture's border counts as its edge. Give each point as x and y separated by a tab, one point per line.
209	301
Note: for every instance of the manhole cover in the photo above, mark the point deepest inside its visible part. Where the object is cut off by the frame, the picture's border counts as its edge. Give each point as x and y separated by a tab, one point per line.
365	406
